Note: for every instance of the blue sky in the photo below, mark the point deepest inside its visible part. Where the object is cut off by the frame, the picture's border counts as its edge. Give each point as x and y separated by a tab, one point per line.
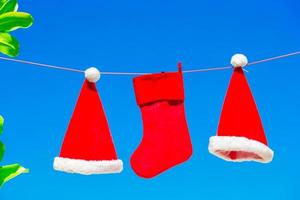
152	36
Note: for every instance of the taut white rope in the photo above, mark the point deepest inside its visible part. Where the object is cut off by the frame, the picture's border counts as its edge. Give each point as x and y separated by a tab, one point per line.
42	65
143	73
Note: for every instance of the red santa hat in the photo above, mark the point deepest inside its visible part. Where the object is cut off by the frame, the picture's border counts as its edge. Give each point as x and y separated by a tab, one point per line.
88	147
240	136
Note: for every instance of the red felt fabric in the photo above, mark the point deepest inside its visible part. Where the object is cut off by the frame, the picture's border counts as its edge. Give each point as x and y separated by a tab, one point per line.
166	141
157	87
239	115
88	136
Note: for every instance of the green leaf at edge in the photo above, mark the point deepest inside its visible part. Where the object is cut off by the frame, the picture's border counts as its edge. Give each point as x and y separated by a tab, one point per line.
14	20
9	6
2	2
2	150
10	171
8	46
1	121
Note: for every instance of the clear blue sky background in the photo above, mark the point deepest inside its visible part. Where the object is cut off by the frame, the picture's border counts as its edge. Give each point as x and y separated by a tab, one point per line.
152	36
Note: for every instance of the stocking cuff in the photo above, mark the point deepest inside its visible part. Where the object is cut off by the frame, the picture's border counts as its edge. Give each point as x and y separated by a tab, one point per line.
158	87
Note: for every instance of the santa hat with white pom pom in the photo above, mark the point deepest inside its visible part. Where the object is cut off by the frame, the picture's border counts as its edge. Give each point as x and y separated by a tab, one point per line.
88	146
240	136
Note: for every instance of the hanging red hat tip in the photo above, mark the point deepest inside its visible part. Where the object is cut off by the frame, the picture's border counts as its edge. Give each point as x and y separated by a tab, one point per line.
88	146
240	134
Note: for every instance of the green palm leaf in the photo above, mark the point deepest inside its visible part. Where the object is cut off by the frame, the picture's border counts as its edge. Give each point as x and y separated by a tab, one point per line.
9	6
10	171
2	2
8	46
2	150
13	20
1	121
2	147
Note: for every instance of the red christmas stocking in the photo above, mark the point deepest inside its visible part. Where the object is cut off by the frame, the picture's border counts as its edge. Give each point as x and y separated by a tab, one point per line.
166	141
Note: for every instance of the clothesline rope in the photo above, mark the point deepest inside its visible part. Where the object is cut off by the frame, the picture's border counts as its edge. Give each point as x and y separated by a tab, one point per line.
143	73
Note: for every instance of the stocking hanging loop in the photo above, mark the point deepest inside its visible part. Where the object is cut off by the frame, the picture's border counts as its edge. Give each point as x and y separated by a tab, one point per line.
179	67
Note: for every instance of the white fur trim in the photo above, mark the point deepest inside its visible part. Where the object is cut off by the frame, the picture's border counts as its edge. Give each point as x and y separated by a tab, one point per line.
221	146
239	60
86	167
92	74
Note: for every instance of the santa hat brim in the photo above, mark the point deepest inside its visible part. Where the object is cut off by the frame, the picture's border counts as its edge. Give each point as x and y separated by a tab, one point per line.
87	167
245	149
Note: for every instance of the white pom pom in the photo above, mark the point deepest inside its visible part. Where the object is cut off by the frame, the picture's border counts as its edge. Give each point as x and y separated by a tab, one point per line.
239	60
92	74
